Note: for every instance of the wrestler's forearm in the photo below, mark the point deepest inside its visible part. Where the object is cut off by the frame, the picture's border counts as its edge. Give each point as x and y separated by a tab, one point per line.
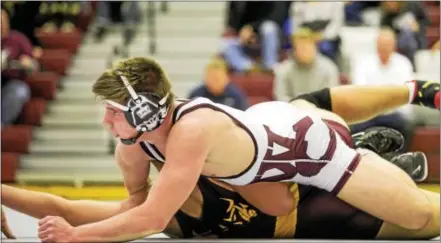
127	226
360	103
39	205
34	204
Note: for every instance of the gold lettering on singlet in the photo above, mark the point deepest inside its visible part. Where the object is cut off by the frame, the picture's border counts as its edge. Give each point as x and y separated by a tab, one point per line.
286	225
238	214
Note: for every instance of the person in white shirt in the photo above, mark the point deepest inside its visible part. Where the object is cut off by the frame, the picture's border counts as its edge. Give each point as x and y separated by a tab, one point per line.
386	66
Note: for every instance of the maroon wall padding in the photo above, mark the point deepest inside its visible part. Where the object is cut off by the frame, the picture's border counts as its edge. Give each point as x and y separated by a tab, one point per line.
10	162
33	111
43	84
59	40
426	140
16	138
252	100
255	84
432	34
56	60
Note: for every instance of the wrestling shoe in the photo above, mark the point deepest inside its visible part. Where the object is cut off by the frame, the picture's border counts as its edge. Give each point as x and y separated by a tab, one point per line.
426	93
380	140
413	163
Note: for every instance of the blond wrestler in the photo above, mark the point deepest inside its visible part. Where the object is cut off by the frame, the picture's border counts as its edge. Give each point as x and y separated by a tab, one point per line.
271	142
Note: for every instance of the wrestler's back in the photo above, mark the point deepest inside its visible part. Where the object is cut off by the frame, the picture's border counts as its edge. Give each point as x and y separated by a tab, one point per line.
266	143
235	133
269	113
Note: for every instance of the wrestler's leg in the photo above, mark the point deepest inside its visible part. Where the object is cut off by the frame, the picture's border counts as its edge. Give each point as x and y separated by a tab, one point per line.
386	192
430	230
379	187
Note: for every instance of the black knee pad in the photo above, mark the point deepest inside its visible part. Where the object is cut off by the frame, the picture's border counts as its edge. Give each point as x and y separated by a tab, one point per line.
320	98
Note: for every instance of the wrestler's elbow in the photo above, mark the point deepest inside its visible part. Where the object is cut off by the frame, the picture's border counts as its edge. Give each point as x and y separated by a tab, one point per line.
146	225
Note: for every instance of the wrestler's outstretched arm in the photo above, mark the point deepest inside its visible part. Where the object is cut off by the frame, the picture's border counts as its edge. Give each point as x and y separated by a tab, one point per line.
40	205
190	143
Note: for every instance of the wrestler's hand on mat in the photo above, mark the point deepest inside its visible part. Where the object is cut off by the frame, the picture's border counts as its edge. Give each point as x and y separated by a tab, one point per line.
54	229
5	227
426	94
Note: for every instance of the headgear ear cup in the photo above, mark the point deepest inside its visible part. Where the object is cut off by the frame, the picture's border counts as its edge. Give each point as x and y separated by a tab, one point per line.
437	101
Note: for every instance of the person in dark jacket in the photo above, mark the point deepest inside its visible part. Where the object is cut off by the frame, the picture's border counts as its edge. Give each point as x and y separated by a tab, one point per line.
218	88
254	22
409	21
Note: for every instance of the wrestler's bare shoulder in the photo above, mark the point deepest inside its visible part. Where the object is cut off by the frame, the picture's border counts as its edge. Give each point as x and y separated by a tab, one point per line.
211	121
231	147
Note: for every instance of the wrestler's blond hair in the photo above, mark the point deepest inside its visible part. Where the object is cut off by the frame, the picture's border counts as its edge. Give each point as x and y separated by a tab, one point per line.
144	74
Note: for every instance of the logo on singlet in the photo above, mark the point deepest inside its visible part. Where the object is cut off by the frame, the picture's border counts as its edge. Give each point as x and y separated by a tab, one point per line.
239	213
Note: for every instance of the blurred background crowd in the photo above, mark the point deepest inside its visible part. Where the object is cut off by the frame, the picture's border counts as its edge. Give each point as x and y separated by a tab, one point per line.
235	53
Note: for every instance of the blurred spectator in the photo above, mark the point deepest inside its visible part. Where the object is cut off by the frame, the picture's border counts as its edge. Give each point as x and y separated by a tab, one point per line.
59	15
328	17
409	21
218	88
354	11
24	18
17	62
129	13
254	22
385	67
306	70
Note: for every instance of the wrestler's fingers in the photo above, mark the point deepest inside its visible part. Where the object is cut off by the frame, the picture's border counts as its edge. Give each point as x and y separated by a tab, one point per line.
45	226
44	233
46	220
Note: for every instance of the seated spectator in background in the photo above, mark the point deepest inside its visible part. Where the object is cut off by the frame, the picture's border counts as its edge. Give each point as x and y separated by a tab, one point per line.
59	16
128	12
218	88
254	22
24	18
328	16
306	70
409	21
17	62
385	67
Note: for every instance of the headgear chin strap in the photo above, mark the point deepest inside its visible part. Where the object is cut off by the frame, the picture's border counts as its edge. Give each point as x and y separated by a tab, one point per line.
143	111
130	141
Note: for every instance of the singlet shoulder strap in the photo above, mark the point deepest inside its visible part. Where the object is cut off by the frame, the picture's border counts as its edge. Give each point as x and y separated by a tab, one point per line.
152	151
191	105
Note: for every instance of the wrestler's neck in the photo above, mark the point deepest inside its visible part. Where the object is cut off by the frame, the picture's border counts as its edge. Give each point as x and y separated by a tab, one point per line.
159	136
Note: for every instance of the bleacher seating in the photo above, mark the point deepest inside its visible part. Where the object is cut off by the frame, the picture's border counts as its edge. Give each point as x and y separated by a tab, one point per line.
10	162
56	60
67	41
58	50
60	47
